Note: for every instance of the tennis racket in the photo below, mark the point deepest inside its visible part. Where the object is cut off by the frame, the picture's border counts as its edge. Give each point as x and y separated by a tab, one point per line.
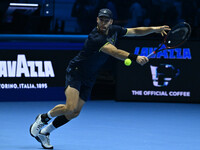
175	38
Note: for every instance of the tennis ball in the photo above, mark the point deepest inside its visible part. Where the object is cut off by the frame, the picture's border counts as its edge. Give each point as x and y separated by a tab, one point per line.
127	62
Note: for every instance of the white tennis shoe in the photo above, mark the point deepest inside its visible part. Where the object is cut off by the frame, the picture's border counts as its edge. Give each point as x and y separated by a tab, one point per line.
36	126
44	140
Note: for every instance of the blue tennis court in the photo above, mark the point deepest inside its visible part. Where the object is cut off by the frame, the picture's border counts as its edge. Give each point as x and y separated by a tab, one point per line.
106	125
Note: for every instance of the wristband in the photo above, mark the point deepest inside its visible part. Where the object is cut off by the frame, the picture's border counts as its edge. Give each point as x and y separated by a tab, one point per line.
132	57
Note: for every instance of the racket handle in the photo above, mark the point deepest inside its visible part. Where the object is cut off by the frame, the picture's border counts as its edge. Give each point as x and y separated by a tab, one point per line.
151	54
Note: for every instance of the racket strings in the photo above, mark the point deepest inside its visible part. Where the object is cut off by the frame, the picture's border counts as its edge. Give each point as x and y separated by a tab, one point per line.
177	35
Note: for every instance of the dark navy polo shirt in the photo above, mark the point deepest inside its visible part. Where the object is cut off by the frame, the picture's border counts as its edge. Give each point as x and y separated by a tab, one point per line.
91	58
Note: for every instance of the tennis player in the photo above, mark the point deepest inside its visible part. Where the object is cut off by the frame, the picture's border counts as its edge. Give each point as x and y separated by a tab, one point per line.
82	71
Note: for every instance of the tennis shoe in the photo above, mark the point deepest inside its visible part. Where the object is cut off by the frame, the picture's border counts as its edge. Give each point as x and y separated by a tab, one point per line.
37	126
44	140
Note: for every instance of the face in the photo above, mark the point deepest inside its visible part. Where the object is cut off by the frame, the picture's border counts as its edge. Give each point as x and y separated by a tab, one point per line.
103	23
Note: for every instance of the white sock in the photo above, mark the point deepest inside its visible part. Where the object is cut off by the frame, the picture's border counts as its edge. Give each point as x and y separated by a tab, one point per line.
49	115
48	129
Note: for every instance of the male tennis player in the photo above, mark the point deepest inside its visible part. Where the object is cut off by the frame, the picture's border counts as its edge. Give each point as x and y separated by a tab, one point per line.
82	71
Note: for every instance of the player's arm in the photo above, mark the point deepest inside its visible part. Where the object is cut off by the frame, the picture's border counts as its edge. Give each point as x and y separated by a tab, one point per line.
122	55
142	31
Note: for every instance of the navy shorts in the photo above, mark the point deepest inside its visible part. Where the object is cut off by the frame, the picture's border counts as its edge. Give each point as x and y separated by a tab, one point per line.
83	85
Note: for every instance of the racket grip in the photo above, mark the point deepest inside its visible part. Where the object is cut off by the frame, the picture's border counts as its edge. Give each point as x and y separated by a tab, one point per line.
151	54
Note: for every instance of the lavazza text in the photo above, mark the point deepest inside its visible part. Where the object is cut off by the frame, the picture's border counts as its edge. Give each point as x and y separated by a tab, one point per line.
25	68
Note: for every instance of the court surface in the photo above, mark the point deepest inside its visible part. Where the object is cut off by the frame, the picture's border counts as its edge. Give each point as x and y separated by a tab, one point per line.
106	125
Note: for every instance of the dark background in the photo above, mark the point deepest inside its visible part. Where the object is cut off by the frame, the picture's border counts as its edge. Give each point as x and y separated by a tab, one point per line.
61	26
79	16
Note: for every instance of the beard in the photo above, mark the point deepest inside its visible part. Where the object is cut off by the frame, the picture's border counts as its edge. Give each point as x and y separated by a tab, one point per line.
103	29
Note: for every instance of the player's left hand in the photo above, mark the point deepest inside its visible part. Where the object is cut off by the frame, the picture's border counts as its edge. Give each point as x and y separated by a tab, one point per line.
142	60
162	29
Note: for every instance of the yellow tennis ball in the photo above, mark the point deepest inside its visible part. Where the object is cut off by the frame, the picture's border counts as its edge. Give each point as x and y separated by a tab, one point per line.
127	62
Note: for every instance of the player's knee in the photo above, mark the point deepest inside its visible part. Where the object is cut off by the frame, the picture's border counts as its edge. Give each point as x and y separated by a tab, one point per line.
75	114
72	115
70	109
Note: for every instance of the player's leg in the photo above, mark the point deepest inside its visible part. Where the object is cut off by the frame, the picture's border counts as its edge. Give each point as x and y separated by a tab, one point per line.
43	136
63	119
72	99
85	91
77	110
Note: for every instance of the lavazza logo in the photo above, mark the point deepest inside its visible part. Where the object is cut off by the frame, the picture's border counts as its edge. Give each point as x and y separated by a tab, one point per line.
163	74
27	69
